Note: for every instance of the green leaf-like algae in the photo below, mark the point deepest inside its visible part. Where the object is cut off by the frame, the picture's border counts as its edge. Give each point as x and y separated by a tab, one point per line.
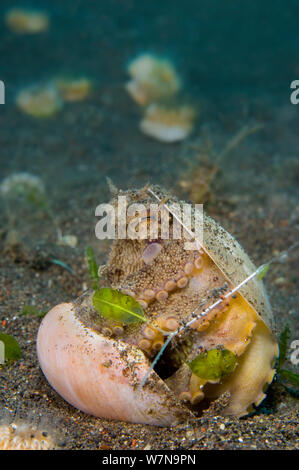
213	364
284	374
92	267
12	350
283	346
289	376
263	271
32	310
36	198
62	264
115	305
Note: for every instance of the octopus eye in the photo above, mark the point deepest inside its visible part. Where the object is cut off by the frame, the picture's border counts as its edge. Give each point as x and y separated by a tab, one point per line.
151	252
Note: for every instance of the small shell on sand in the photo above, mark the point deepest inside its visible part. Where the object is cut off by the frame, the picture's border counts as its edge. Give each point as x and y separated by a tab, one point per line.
20	183
39	100
23	21
68	240
23	436
74	89
168	124
153	78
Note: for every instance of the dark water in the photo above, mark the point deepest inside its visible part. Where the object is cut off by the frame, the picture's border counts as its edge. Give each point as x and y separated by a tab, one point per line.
236	59
233	57
221	47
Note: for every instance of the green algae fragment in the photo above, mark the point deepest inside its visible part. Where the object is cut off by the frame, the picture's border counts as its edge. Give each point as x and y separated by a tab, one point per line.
263	271
289	376
92	267
115	305
37	199
213	364
284	374
283	346
63	265
32	310
11	349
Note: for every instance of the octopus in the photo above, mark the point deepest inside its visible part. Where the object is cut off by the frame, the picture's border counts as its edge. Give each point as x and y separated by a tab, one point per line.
98	364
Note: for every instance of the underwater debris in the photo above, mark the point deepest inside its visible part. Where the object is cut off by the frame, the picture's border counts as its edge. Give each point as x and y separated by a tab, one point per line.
11	348
92	267
13	246
32	310
21	183
74	89
66	240
289	376
155	84
45	99
40	101
284	338
112	187
19	434
168	124
23	21
233	143
22	437
202	177
30	188
63	265
199	180
153	78
285	375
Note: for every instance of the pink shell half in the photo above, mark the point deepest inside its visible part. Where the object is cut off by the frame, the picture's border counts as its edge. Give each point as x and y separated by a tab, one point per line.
99	375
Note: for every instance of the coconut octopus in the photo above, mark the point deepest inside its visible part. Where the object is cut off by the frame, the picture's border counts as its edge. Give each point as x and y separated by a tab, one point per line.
97	364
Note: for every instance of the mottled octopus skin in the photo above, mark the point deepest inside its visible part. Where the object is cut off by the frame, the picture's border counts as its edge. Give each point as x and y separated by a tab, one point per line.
98	371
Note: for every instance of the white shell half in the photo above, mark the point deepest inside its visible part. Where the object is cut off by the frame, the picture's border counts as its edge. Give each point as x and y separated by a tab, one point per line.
99	375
